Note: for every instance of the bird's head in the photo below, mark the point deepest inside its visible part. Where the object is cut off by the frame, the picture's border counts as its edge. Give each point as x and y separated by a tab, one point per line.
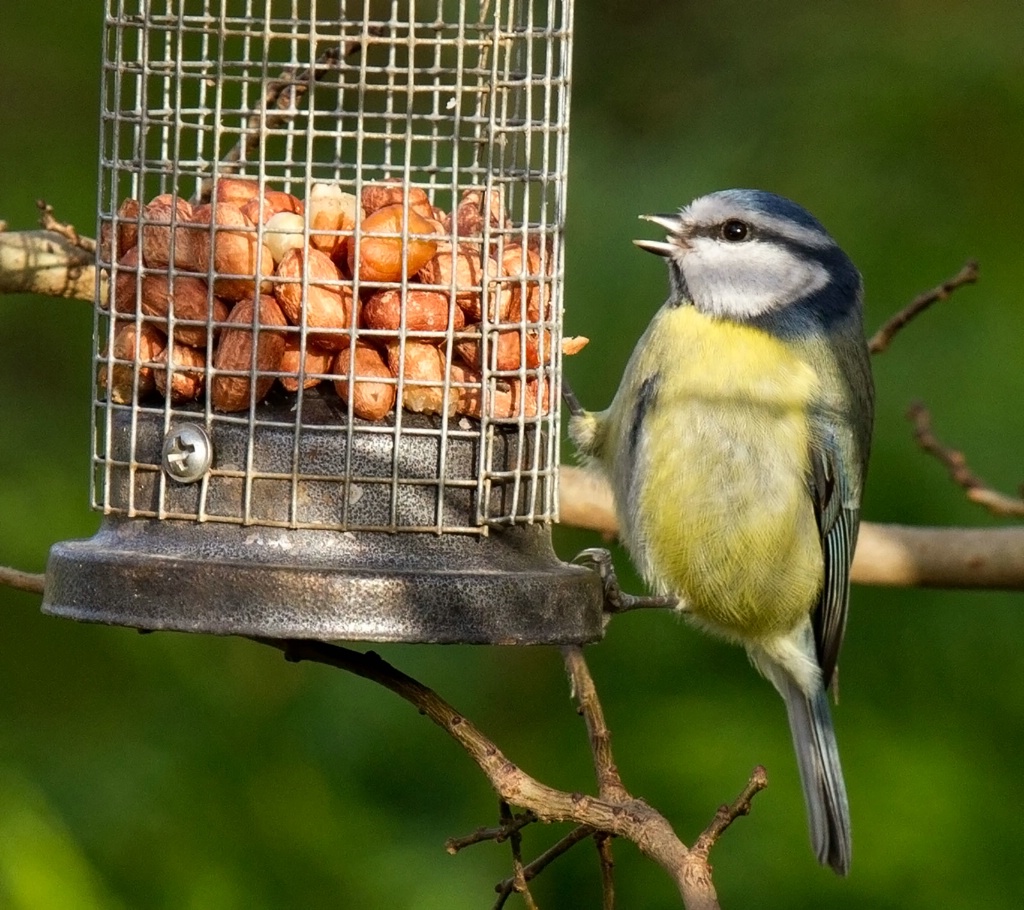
749	255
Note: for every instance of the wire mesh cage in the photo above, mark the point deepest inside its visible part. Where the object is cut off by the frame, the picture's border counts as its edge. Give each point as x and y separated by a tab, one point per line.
327	369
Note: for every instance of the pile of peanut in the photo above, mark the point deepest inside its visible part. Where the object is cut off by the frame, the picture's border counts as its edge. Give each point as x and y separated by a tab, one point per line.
192	272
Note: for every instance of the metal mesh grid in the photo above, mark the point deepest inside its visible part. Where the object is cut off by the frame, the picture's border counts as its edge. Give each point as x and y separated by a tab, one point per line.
242	129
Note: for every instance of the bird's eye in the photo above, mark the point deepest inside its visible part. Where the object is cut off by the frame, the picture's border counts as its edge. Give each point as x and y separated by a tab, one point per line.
735	230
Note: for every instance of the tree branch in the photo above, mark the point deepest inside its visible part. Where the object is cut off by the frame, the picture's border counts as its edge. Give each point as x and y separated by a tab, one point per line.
630	818
881	340
534	868
518	883
280	99
48	263
49	222
726	815
956	464
604	856
609	783
22	581
499	834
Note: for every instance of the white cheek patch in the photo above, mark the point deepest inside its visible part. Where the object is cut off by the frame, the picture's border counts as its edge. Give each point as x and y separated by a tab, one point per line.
747	279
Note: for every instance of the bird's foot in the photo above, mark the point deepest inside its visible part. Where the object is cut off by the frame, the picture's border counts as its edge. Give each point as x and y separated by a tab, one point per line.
615	599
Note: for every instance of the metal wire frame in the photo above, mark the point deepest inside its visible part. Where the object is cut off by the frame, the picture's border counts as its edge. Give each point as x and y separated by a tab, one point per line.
442	96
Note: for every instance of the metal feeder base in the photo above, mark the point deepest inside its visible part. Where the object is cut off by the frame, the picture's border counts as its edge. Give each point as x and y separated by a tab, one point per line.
509	588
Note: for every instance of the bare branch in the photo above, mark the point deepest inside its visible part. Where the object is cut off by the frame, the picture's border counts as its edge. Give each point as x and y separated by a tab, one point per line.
632	818
22	581
499	834
604	855
47	263
609	783
585	501
726	815
280	99
518	882
48	222
538	865
881	340
956	463
625	816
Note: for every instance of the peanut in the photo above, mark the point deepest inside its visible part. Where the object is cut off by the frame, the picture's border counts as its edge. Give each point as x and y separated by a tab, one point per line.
187	367
508	398
469	218
235	354
236	190
371	386
122	233
328	304
469	282
422	367
230	247
574	344
284	232
466	388
134	350
333	216
383	258
425	311
316	364
156	237
527	280
505	349
261	209
187	299
393	192
126	281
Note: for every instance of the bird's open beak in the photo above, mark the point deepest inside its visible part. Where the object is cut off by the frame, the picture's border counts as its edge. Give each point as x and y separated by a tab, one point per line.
660	247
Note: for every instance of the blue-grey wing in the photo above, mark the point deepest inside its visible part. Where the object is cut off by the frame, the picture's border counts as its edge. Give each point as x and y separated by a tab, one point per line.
838	522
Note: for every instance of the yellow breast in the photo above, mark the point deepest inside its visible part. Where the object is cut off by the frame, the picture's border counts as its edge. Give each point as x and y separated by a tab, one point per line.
721	513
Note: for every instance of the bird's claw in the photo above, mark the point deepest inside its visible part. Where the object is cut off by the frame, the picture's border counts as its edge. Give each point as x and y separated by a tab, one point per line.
615	599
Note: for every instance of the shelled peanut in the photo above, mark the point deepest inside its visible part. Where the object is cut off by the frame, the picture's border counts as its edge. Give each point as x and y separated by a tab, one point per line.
386	270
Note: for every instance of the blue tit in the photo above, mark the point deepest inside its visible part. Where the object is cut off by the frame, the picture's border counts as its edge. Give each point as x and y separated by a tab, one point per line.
736	447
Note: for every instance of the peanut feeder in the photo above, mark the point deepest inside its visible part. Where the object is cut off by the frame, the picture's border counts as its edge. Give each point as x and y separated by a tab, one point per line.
328	368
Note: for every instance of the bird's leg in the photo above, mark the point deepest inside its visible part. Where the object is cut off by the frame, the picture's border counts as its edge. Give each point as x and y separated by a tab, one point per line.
571	401
615	599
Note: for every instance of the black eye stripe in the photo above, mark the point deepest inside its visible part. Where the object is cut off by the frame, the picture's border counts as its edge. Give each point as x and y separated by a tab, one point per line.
768	236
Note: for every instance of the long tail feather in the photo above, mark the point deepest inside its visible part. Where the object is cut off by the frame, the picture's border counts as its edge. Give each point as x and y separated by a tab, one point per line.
817	755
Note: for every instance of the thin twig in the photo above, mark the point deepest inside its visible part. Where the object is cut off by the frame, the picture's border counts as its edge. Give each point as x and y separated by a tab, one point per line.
609	782
22	581
280	99
604	855
518	882
49	222
499	834
532	870
956	464
726	815
881	340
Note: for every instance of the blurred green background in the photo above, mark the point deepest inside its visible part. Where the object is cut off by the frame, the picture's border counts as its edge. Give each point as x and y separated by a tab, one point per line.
175	771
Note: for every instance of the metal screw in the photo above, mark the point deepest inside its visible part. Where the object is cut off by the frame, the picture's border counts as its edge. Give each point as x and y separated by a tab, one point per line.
187	453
